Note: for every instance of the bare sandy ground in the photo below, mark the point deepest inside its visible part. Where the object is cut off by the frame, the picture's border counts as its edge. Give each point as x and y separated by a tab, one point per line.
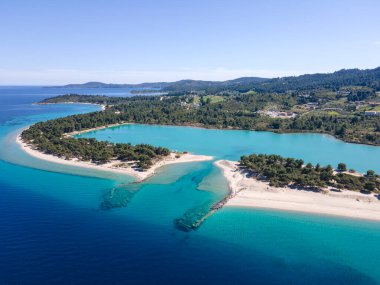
94	129
114	166
103	107
250	192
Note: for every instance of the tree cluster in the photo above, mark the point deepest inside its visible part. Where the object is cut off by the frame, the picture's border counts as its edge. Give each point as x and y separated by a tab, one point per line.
280	172
49	137
235	112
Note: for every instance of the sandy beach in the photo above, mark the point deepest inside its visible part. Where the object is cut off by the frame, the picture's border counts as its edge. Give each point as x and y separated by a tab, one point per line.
113	165
103	107
249	192
95	129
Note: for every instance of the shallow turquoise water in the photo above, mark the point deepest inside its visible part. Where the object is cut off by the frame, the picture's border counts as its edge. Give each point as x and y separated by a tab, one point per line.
54	230
231	144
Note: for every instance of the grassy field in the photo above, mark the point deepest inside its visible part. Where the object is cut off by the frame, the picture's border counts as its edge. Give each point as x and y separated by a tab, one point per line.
250	93
212	98
333	113
215	98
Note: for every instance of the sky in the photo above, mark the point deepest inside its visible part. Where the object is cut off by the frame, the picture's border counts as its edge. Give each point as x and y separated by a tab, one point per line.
131	41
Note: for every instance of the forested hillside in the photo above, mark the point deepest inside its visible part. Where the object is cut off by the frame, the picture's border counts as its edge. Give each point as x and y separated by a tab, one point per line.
345	104
345	77
243	111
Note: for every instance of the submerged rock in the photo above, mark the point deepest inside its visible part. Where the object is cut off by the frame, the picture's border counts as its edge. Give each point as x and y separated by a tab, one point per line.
117	197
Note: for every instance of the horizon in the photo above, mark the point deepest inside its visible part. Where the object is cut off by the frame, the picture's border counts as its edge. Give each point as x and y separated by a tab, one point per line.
145	41
185	79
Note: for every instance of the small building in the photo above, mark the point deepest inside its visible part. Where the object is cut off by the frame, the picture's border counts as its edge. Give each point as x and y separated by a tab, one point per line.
305	95
343	92
277	114
332	109
372	113
311	105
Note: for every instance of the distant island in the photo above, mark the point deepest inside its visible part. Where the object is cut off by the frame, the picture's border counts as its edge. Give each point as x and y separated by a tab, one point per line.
95	84
181	85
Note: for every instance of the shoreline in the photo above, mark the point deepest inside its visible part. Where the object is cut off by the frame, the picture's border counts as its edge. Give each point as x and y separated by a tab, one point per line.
252	193
111	166
96	129
291	132
102	107
201	126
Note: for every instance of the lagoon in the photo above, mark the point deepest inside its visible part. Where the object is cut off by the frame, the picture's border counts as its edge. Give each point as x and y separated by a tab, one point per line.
231	144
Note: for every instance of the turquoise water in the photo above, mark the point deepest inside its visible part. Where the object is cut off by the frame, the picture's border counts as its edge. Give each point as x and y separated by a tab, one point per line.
231	144
54	229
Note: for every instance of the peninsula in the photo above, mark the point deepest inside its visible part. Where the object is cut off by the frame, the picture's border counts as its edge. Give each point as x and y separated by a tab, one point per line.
53	141
257	181
115	165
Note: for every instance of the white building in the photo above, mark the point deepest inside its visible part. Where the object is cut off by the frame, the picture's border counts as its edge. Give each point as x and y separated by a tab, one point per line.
372	113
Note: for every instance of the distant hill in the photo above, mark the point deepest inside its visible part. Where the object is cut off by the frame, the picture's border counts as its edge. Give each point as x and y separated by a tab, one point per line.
181	85
196	85
344	77
95	84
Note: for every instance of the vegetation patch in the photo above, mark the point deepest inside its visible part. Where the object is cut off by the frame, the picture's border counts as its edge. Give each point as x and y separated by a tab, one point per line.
48	137
280	172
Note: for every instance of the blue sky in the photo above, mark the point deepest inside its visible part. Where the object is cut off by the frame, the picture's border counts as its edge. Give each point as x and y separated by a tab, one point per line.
57	42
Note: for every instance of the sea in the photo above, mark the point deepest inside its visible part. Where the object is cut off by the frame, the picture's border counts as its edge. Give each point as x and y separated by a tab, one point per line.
66	225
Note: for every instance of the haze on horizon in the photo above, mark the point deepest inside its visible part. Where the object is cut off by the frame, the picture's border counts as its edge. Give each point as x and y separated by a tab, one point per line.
51	43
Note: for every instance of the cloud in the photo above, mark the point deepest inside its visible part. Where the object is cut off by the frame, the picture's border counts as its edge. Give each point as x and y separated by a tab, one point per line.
65	76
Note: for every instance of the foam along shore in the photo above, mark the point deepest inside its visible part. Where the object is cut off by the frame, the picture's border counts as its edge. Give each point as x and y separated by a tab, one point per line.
250	192
115	166
102	107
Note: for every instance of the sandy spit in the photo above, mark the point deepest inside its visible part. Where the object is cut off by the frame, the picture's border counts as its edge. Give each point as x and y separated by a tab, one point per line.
250	192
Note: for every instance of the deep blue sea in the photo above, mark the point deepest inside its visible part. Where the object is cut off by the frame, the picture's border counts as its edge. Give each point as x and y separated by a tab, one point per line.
53	229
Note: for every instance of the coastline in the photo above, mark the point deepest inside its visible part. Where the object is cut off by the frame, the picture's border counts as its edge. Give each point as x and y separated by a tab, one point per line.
102	107
252	193
202	126
111	166
290	132
96	129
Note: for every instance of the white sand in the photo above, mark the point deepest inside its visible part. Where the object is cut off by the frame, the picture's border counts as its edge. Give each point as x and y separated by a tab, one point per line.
95	129
112	166
103	107
250	192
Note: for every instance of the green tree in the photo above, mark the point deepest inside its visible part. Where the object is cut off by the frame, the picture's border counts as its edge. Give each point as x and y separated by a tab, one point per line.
370	173
342	167
370	186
